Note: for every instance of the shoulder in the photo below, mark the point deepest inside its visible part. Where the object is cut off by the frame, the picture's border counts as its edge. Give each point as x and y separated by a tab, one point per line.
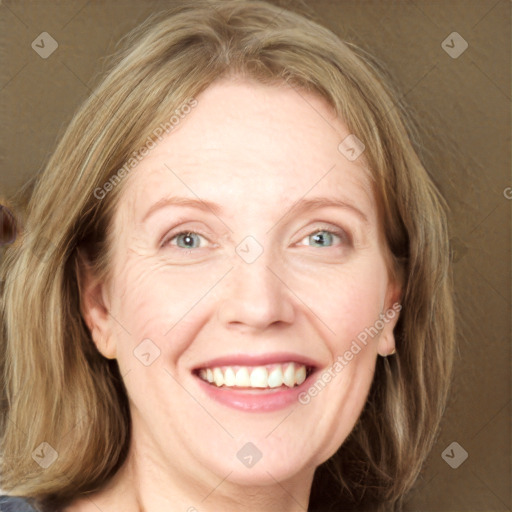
15	504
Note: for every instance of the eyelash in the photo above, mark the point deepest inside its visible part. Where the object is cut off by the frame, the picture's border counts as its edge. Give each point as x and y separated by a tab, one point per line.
340	233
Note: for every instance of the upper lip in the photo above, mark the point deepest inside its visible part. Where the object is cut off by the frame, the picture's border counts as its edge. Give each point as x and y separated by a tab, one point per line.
258	360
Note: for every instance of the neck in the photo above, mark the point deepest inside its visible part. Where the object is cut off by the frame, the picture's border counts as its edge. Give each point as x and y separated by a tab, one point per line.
143	484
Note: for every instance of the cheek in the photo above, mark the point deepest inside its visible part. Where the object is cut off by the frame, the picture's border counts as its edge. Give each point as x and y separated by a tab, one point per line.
165	303
155	301
347	299
349	304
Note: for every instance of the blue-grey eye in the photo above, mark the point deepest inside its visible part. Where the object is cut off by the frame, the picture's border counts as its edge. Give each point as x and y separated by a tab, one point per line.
188	240
322	238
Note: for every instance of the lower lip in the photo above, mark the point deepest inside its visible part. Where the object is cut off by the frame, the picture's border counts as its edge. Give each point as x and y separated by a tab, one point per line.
258	401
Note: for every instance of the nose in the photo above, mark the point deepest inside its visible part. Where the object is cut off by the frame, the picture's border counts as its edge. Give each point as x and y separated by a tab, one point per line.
256	297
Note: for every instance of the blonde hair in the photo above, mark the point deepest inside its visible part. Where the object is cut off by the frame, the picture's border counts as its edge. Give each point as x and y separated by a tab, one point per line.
58	389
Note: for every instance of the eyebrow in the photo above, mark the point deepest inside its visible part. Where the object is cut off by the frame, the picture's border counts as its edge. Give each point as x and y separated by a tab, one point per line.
300	206
304	205
199	204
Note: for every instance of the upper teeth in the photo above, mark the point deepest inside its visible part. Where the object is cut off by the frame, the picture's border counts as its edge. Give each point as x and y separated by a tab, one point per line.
272	376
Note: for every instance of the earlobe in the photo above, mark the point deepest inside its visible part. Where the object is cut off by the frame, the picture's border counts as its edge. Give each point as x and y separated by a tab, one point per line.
93	307
386	344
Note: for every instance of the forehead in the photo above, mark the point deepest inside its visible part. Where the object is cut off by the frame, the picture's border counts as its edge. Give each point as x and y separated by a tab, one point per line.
252	143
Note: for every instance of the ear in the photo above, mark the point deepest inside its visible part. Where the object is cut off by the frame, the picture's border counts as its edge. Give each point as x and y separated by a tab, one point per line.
389	317
94	307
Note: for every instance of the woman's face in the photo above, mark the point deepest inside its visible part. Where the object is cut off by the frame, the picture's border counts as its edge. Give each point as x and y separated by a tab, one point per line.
281	261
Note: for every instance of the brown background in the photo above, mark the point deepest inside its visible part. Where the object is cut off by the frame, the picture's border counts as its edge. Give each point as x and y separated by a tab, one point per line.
463	107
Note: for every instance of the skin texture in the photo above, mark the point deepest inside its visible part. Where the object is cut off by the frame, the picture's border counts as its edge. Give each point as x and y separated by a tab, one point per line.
254	150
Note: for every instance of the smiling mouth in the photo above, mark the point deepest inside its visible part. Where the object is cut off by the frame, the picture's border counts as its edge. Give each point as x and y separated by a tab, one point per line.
273	376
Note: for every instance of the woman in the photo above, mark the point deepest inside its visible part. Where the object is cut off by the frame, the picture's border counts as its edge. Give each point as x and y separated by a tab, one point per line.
237	274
